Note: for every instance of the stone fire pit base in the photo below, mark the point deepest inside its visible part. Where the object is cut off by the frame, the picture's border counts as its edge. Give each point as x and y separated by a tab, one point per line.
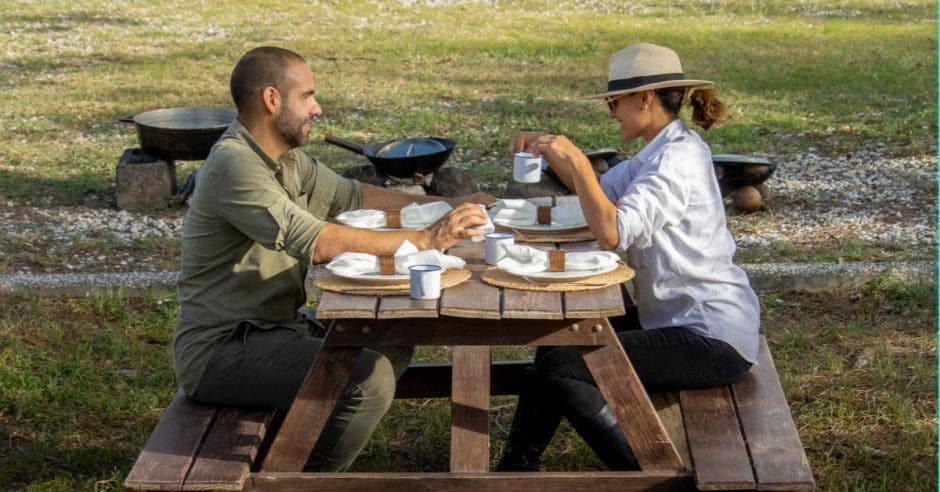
446	182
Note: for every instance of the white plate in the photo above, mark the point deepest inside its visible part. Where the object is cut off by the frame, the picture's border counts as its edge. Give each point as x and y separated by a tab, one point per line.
566	275
380	228
548	228
375	278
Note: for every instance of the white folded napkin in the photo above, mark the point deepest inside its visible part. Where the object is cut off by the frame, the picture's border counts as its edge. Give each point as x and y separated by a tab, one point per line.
521	213
407	255
522	260
416	216
365	218
568	214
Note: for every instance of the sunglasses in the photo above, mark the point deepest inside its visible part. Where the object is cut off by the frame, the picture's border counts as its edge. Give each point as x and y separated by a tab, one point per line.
612	101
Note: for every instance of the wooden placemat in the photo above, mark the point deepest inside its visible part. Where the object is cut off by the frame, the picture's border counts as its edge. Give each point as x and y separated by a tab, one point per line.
335	283
577	235
502	278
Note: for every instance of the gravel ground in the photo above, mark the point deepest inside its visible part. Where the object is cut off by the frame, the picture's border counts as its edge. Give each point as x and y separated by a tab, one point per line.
812	200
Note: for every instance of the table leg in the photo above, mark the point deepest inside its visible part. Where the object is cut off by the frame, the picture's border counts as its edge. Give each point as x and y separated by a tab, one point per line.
311	408
470	409
626	396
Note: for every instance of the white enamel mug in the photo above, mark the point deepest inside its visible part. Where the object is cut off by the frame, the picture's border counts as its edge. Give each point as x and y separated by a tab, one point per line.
425	281
526	168
494	246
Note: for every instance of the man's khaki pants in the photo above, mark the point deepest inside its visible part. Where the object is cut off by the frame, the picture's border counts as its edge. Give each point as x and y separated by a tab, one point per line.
265	368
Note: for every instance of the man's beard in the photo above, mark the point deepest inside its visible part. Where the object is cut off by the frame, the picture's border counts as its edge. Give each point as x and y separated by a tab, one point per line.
291	129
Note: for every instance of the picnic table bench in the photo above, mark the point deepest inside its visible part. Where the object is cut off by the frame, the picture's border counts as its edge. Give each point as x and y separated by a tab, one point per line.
735	437
739	437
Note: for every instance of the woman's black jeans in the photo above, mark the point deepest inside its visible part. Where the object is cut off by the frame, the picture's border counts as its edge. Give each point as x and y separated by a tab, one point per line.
665	359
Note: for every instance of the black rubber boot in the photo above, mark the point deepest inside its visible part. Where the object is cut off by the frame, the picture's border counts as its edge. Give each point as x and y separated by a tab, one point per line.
533	426
603	435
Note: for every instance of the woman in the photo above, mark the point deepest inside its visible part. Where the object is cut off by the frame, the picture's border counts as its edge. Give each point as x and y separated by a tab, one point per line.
697	320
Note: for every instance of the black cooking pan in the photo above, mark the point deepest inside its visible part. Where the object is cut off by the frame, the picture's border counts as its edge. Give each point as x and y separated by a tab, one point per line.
736	170
185	134
402	158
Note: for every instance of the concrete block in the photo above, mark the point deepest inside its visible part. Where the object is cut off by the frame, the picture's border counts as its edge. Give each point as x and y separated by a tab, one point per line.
144	182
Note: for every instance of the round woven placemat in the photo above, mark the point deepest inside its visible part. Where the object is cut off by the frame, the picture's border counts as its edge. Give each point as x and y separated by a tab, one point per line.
502	278
577	235
335	283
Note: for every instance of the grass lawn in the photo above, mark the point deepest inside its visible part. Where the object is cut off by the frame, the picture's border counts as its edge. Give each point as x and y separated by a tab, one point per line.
83	382
832	75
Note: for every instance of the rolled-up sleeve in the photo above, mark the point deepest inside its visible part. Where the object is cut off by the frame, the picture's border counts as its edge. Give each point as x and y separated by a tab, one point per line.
655	198
329	193
255	203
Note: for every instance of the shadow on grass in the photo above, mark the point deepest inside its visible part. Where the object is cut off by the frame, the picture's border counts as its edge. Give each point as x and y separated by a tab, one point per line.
67	21
34	462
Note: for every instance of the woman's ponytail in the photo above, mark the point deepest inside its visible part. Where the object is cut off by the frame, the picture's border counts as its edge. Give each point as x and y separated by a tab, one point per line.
707	109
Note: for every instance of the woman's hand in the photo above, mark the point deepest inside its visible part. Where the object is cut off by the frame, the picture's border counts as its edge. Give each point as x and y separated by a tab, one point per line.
575	170
557	150
564	157
459	223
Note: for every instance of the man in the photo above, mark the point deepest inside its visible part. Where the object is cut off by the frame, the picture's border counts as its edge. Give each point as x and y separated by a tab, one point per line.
256	220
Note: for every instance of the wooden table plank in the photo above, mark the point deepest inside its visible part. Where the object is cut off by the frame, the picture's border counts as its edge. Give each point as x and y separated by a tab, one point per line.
626	396
433	379
530	304
459	331
473	298
470	409
670	413
595	303
470	251
171	448
334	305
405	307
472	482
311	409
231	446
776	451
715	440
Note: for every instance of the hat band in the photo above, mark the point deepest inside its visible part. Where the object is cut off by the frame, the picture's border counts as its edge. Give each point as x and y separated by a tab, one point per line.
634	82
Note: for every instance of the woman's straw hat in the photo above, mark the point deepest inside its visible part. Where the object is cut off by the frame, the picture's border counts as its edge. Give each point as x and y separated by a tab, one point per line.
645	66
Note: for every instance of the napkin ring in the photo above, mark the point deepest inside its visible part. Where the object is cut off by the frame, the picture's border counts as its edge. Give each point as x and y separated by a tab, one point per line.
387	264
393	218
556	260
544	215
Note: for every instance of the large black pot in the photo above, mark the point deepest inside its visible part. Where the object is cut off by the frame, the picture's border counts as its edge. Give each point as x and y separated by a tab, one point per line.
736	170
184	134
402	158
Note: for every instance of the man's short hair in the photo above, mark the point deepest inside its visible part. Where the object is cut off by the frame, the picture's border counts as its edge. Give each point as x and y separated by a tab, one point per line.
259	68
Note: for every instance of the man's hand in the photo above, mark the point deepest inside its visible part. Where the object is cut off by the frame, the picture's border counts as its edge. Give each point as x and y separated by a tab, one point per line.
458	224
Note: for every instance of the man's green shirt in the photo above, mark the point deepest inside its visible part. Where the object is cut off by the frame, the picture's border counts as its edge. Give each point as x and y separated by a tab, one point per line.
247	240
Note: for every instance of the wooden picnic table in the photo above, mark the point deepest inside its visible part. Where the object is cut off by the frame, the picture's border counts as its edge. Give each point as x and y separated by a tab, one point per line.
740	436
471	317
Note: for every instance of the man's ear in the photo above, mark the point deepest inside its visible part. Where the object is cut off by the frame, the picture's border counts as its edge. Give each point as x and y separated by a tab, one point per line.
271	100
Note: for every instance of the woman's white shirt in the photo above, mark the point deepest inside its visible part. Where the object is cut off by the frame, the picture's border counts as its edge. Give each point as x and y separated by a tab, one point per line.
671	222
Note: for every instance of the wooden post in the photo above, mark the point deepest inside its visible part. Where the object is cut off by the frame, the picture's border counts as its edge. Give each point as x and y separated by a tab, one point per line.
626	396
311	409
470	409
